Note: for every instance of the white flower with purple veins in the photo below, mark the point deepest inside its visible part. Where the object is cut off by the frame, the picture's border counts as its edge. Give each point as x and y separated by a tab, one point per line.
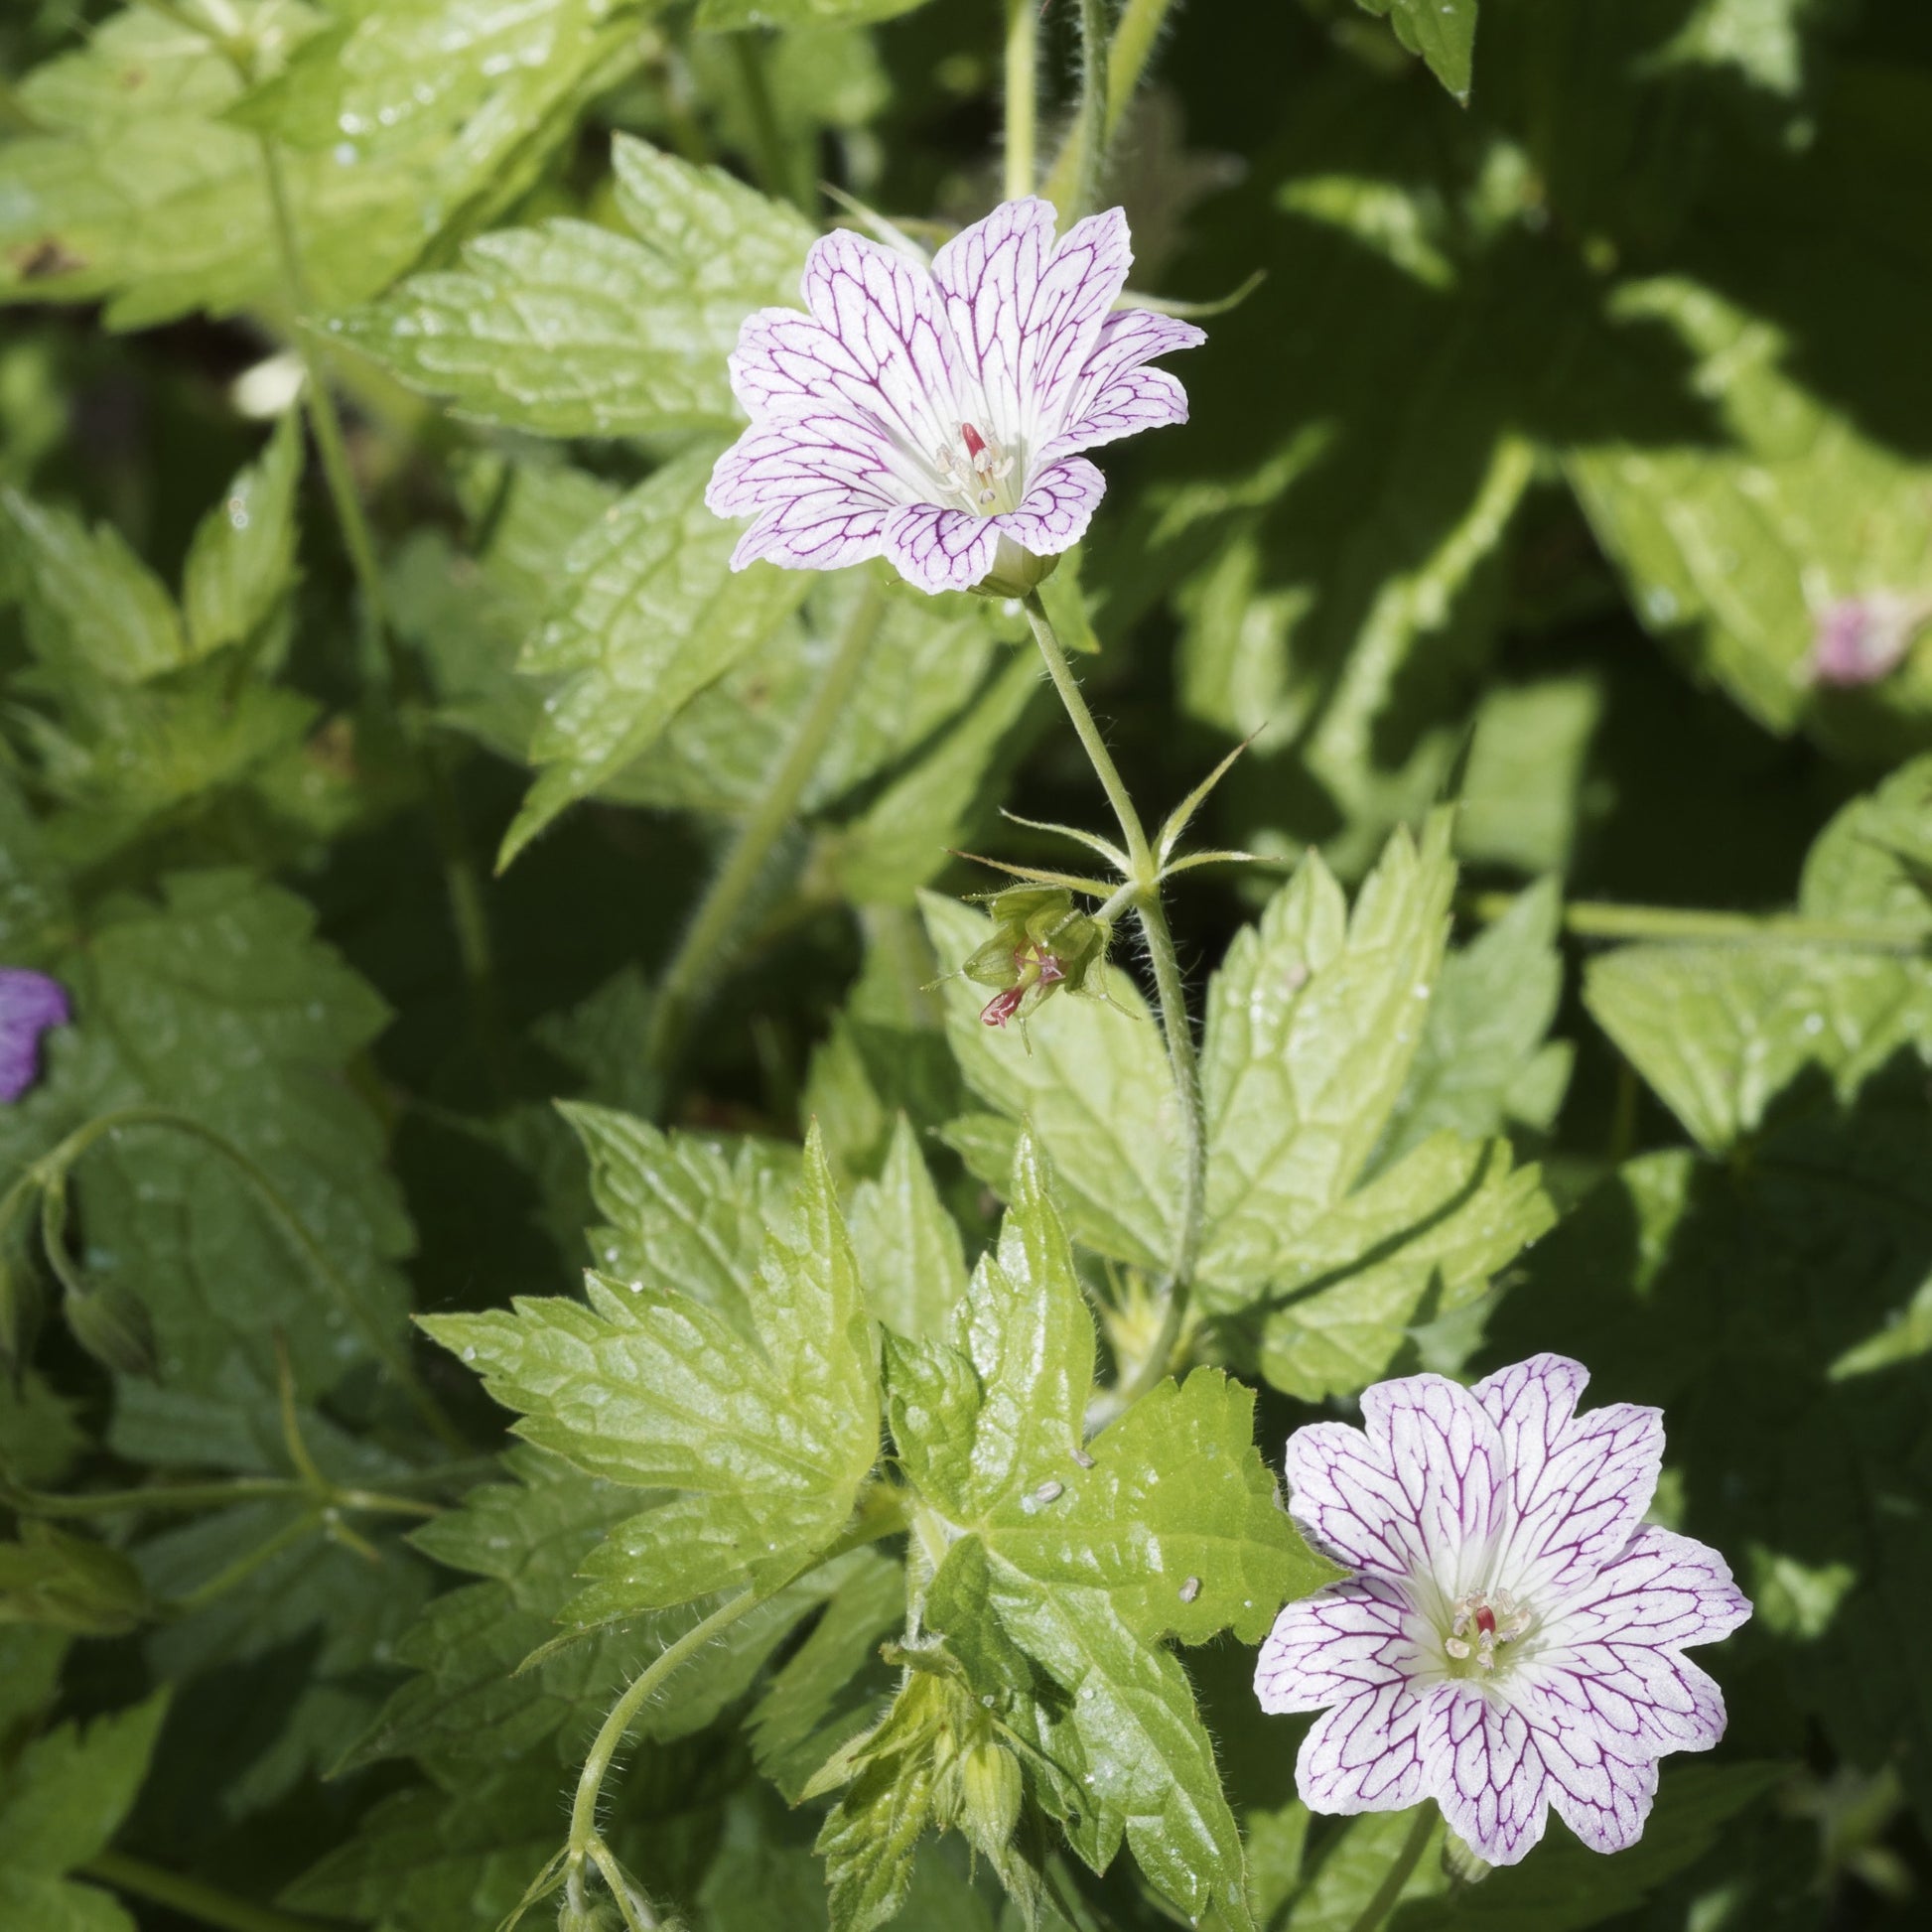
935	417
30	1003
1513	1635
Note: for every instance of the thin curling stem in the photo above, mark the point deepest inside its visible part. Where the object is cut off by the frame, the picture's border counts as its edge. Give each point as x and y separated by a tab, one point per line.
1389	1891
1176	1025
584	1838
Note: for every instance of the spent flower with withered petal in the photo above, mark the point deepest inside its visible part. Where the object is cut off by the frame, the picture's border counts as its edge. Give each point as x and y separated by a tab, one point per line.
1513	1635
29	1003
936	416
1042	944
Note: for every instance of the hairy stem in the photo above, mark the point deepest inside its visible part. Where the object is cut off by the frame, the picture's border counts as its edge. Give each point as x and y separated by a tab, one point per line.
1598	919
701	953
1177	1024
1022	98
193	1898
1420	1831
1128	55
624	1713
54	1168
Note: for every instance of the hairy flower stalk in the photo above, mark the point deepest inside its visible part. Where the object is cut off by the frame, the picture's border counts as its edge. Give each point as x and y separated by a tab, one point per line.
936	416
1513	1636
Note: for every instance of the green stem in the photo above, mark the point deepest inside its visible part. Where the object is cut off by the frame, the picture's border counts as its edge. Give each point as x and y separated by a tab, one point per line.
1177	1024
54	1167
208	1495
1598	919
192	1897
243	1566
461	880
1132	833
775	170
1390	1890
1128	55
701	954
1022	98
597	1765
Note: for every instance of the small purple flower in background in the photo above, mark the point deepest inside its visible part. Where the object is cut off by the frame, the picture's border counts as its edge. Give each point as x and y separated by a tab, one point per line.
1859	641
935	417
1512	1638
30	1003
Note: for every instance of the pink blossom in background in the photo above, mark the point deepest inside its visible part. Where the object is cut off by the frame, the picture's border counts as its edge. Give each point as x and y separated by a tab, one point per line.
935	417
30	1003
1513	1635
1859	640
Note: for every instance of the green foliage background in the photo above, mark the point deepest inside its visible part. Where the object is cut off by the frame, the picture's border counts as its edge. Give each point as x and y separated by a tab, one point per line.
1566	359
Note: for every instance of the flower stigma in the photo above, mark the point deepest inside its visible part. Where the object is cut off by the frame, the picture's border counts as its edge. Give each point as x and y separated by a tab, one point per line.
976	479
1482	1620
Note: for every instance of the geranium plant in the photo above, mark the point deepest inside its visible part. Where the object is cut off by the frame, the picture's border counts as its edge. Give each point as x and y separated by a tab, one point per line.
872	880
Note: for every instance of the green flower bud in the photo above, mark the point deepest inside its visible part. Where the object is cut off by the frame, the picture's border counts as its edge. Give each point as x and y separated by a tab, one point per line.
990	1798
70	1582
1041	942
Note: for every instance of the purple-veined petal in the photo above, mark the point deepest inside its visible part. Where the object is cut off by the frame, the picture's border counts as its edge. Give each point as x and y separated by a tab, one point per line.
1340	1643
1367	1755
1056	509
1578	1484
29	1003
1448	1459
804	450
1640	1703
1485	1771
1661	1589
1603	1797
940	549
1026	310
813	531
1418	1492
1115	395
873	345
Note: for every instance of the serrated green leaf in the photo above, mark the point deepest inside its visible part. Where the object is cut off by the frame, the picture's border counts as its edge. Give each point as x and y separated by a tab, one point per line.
218	1002
1492	1005
1720	1031
1094	1085
650	613
775	1423
835	1684
1873	860
1313	1024
139	185
1442	31
686	1214
868	1841
572	330
1731	546
94	609
241	562
1419	1243
1087	1561
908	1246
905	836
64	1798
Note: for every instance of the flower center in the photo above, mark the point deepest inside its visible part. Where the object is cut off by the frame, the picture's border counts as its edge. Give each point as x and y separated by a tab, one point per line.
1480	1623
973	471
